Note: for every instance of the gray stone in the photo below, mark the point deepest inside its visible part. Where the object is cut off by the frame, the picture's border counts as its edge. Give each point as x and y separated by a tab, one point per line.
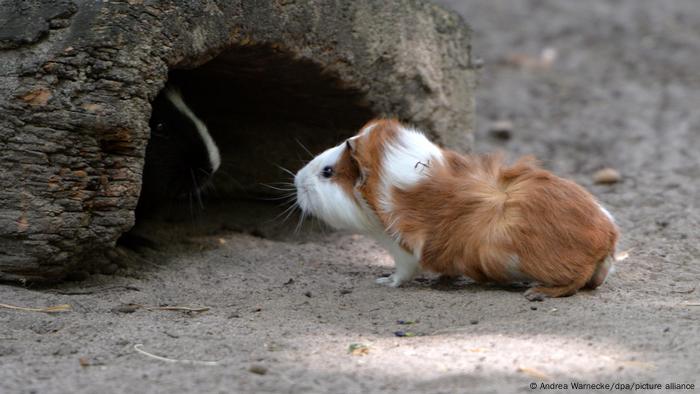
77	79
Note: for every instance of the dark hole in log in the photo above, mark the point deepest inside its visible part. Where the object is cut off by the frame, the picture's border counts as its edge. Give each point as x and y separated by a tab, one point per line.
259	104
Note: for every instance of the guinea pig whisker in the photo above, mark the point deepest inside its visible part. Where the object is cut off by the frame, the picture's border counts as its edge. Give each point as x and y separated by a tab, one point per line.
304	148
297	228
287	211
210	186
189	198
292	209
317	224
197	193
285	170
289	189
229	178
285	187
286	199
290	184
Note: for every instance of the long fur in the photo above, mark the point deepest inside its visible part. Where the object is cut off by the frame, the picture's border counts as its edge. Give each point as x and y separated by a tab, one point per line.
452	214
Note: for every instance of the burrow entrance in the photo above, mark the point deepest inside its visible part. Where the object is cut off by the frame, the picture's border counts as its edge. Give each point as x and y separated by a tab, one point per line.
260	105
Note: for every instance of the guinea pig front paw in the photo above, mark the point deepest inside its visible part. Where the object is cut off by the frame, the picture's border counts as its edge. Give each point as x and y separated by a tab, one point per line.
534	295
392	280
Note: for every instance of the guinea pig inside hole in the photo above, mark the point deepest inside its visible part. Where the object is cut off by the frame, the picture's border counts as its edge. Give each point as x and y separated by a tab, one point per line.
262	110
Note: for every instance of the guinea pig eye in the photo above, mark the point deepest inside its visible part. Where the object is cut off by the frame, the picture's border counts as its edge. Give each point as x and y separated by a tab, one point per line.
160	127
327	172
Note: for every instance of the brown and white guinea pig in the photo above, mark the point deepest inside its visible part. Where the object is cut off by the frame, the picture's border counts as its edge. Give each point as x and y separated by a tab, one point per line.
181	155
437	210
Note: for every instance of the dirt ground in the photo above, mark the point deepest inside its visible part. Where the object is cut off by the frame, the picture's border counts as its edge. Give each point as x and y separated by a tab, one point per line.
587	85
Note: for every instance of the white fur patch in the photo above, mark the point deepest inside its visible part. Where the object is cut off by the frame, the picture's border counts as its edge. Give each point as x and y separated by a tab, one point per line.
407	265
367	129
212	150
607	213
407	160
608	265
513	269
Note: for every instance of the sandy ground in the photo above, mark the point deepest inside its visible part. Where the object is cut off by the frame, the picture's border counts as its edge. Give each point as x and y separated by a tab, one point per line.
623	91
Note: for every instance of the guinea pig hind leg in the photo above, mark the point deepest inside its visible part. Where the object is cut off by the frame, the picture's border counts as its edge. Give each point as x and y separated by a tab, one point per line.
601	273
542	292
406	264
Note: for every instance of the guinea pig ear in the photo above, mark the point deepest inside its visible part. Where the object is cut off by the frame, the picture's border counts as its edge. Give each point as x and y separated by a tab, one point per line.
350	145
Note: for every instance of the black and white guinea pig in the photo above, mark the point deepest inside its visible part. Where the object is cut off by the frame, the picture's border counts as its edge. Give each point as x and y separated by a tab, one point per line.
181	156
454	214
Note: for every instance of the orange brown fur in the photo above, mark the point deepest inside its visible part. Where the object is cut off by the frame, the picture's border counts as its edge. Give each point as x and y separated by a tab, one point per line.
346	172
477	216
368	151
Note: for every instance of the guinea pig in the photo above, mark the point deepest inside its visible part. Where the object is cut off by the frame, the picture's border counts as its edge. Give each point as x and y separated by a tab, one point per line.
181	156
453	214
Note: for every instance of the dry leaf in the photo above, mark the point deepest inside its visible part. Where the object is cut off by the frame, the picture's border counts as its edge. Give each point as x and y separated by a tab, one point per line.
619	256
532	372
358	349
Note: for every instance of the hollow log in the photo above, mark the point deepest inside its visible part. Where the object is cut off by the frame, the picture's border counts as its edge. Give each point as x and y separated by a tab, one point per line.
77	79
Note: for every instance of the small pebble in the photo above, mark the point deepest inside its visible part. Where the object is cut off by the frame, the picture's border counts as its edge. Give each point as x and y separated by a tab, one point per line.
125	308
534	308
308	294
607	176
473	321
345	291
258	369
667	329
84	362
501	129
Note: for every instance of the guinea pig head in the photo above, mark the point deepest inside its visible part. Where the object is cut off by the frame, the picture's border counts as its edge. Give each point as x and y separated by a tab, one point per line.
340	185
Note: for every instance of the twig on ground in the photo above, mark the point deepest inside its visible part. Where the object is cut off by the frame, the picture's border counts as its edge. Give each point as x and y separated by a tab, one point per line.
48	309
450	330
688	291
178	308
84	292
138	346
169	308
